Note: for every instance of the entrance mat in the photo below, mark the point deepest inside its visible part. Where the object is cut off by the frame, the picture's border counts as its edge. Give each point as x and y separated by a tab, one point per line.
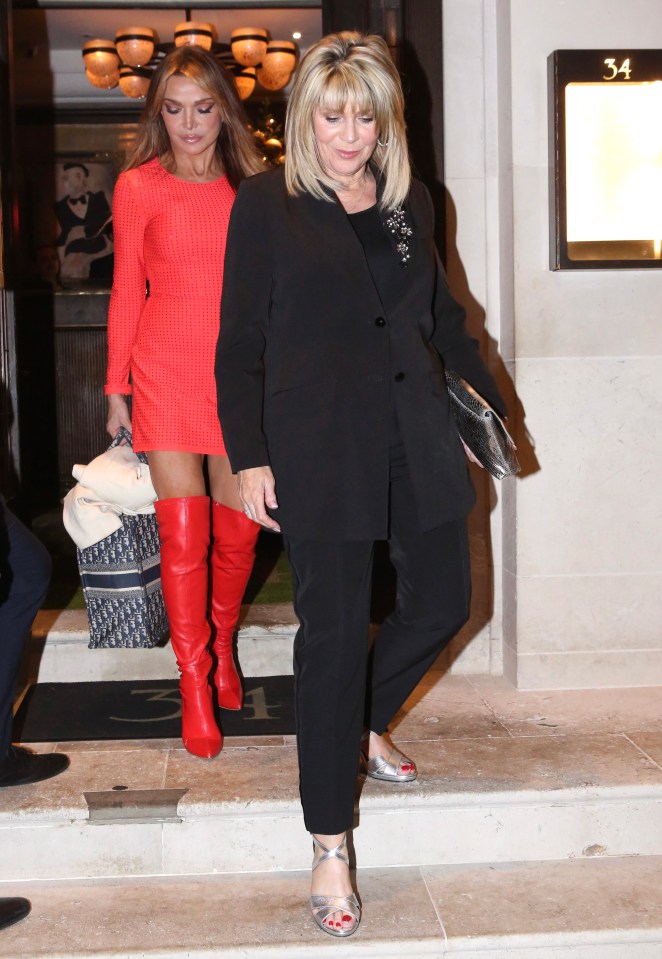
144	709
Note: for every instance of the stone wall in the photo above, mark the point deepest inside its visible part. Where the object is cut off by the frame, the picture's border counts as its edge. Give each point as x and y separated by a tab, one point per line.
577	540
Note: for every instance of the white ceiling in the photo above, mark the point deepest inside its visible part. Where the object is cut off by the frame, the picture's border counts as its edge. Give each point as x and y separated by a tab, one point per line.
48	66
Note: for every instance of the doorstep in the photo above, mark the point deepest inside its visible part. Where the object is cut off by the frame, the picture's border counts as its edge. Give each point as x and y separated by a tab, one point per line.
58	648
600	909
484	794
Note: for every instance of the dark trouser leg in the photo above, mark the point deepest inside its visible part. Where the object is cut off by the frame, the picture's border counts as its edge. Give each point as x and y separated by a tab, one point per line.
433	597
25	570
332	601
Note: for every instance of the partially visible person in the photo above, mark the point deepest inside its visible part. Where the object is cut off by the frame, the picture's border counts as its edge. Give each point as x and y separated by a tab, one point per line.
85	242
171	210
12	909
25	570
337	326
47	268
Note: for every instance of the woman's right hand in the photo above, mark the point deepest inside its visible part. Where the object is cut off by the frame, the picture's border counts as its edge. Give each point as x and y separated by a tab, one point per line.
118	414
257	490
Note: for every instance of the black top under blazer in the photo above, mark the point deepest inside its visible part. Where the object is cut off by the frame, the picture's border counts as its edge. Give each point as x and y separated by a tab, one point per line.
309	366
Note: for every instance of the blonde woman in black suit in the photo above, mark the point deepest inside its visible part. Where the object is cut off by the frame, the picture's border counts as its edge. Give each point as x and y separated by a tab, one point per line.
337	324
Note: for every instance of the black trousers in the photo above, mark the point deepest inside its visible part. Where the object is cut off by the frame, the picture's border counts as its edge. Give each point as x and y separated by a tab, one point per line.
337	689
25	571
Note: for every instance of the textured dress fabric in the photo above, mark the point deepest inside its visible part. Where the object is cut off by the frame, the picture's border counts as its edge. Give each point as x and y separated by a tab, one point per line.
170	234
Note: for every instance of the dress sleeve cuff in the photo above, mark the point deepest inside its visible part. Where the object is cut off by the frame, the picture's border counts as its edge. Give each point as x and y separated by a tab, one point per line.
124	388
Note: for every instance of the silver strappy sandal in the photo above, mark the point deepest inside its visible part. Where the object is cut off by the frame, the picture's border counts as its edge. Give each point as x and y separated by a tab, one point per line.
324	906
394	768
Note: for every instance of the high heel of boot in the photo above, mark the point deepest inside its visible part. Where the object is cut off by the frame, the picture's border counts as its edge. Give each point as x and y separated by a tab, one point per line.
228	684
200	733
233	553
226	676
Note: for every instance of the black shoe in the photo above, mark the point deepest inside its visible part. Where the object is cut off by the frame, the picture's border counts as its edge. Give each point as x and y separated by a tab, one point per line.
12	909
21	767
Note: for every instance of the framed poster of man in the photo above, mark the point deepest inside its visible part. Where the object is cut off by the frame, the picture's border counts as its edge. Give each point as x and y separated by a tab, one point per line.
83	197
73	218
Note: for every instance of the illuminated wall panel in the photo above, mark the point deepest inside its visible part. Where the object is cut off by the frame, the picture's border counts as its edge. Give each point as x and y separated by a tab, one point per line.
606	159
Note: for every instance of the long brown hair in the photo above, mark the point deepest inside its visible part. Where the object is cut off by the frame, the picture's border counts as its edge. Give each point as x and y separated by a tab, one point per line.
236	148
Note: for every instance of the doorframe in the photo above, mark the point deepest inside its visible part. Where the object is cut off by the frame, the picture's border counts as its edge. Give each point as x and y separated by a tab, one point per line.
9	435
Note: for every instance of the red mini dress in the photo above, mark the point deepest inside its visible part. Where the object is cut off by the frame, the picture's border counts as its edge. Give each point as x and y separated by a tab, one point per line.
171	234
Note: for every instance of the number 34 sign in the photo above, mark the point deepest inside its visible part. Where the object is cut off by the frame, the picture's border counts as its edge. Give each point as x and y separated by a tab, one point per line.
605	143
615	69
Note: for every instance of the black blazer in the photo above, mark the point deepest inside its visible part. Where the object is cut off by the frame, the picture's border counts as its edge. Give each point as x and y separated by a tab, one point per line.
307	369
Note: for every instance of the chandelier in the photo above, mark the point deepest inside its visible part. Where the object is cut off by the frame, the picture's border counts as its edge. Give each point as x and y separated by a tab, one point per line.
131	59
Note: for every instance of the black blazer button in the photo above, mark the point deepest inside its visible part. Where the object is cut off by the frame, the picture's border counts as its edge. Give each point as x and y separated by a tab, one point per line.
399	377
380	321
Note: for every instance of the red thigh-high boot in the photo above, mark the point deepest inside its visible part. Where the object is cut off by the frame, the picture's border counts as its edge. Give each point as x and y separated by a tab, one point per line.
184	533
233	553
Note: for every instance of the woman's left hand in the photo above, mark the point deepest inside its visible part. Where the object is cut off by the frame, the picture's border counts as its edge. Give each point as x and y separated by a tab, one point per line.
257	491
118	415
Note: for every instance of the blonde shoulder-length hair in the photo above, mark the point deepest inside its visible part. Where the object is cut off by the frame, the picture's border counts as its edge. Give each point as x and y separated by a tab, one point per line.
236	148
347	69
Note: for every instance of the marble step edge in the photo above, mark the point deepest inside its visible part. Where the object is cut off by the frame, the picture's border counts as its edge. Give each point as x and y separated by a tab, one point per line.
60	626
250	843
268	654
58	649
50	808
104	919
596	944
441	801
628	944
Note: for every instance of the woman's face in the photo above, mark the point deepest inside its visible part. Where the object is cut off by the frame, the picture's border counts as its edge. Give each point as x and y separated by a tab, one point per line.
346	140
192	118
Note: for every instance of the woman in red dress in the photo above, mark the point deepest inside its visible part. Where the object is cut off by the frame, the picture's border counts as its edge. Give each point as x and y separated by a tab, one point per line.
170	214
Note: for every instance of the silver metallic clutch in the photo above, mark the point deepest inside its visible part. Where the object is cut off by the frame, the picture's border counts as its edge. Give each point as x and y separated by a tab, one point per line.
481	428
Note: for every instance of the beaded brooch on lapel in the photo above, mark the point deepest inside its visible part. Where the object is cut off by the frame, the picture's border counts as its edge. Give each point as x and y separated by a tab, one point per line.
397	224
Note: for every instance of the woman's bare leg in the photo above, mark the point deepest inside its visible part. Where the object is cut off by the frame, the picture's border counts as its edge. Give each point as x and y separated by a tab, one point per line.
180	474
222	482
176	474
